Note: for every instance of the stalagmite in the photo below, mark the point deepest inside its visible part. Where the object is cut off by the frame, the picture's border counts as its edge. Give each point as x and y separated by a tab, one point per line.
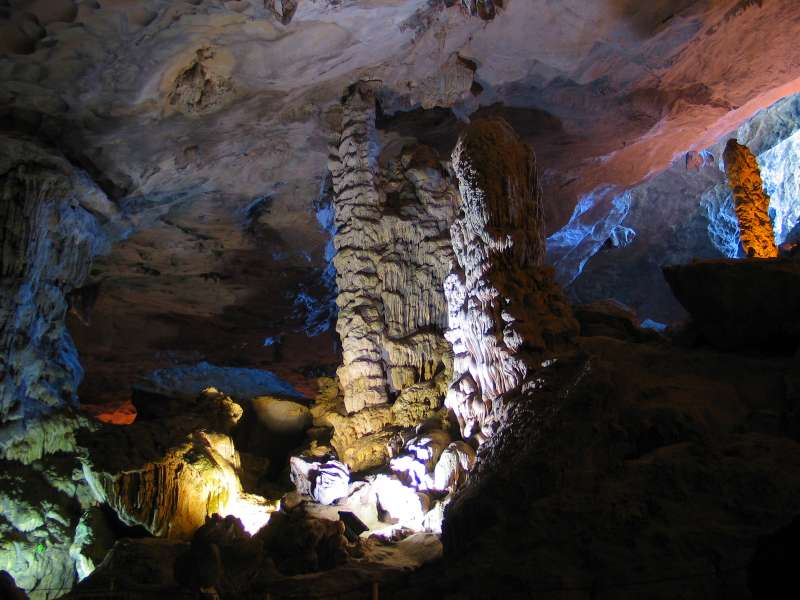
750	201
506	314
354	168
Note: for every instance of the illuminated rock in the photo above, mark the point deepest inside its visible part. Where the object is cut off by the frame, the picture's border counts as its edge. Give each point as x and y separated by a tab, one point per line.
325	482
506	313
50	229
169	473
453	467
750	201
418	458
281	416
41	524
392	255
93	540
399	504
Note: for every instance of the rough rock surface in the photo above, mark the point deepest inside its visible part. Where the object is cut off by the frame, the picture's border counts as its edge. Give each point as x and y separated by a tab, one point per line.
649	470
679	215
506	313
751	303
51	217
750	201
392	213
326	564
325	482
43	534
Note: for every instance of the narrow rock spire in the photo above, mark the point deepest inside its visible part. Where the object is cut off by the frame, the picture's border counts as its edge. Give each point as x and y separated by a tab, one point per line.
750	201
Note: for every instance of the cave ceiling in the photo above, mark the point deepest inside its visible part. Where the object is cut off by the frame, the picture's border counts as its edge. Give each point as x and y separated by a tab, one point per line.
207	124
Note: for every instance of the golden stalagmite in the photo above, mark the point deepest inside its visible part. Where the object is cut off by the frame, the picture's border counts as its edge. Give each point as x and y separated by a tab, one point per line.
750	201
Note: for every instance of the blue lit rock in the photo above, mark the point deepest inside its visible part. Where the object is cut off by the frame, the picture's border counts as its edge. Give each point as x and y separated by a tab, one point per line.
680	215
239	383
52	220
597	218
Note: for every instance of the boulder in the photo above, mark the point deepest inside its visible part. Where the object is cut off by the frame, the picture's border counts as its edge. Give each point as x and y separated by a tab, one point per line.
736	304
298	543
399	504
168	474
419	457
281	416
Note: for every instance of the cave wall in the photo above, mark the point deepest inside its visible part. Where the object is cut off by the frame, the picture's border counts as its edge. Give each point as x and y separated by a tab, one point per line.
53	221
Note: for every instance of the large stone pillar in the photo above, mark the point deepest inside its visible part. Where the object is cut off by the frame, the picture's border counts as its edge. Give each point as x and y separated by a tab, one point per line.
506	313
393	254
358	205
750	201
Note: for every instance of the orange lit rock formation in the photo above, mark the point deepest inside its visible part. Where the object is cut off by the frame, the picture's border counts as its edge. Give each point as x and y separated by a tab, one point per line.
750	201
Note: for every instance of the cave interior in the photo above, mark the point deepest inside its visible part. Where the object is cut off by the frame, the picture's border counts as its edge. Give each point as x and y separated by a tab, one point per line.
459	299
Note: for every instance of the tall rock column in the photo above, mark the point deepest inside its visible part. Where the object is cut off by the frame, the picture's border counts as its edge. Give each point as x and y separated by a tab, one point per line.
393	255
354	167
750	201
506	313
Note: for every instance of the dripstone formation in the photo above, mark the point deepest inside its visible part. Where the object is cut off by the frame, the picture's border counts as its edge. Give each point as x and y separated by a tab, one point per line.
393	254
506	313
750	201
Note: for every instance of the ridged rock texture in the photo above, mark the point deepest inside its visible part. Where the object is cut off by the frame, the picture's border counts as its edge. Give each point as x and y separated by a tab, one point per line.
750	201
506	314
392	255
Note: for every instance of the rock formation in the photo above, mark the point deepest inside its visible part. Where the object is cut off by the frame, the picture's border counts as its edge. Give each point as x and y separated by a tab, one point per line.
393	253
53	221
506	314
170	470
750	201
738	304
51	217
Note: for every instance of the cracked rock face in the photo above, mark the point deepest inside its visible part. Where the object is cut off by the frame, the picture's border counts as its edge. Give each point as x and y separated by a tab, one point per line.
506	313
